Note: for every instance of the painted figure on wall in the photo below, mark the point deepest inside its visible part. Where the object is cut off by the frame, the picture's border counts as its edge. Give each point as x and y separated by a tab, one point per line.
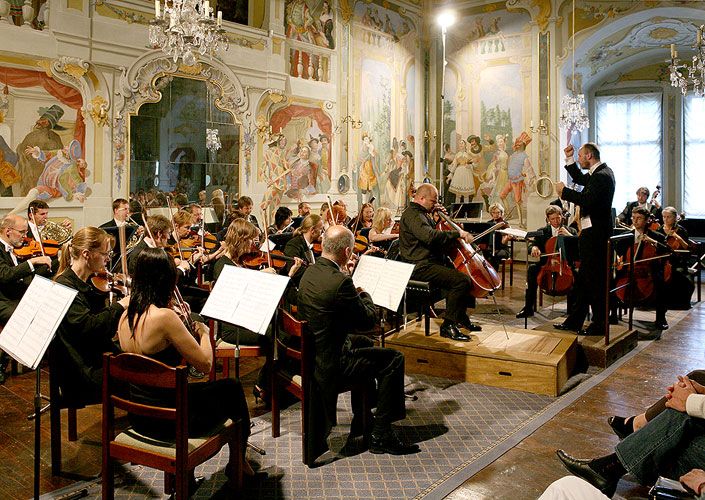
460	174
43	137
477	157
520	175
276	167
495	177
64	174
368	171
301	179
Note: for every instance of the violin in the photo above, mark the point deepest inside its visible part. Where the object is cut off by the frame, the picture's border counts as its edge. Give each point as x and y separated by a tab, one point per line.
467	258
255	260
555	277
32	248
105	282
317	248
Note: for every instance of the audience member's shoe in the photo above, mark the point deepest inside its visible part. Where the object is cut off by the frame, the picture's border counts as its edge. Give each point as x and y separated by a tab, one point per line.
469	325
526	312
583	469
661	324
565	327
621	426
450	331
392	444
654	335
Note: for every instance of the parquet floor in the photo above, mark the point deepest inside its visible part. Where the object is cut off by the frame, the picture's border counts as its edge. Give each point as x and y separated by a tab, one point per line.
522	473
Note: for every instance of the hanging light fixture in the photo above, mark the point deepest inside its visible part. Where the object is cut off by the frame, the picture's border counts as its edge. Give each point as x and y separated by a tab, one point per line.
573	114
696	71
184	28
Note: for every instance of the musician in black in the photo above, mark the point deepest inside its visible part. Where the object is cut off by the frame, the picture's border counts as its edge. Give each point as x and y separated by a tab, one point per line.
680	286
537	248
421	244
652	207
244	205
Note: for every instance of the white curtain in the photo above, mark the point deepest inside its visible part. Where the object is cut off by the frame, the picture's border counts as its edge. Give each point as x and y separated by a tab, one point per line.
694	173
628	133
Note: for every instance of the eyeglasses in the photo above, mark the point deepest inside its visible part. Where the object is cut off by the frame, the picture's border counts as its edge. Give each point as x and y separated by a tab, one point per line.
21	232
106	255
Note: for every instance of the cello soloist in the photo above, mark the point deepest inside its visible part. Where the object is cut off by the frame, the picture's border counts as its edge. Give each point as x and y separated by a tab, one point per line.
421	244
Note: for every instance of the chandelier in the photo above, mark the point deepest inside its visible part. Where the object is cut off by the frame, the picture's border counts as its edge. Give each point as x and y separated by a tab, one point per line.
696	71
573	114
212	140
185	28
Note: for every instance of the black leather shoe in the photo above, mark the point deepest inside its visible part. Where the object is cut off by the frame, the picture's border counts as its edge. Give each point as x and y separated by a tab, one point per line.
470	326
661	325
356	426
621	426
450	331
564	327
582	469
525	313
392	444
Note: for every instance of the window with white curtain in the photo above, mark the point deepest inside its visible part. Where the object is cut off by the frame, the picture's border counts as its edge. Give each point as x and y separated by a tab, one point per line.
628	132
694	155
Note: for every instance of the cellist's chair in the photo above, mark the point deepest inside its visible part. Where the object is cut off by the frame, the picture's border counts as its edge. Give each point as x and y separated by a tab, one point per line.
509	260
299	384
176	458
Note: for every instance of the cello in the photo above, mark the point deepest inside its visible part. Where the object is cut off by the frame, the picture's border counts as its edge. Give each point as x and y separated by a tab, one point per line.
641	287
467	258
555	277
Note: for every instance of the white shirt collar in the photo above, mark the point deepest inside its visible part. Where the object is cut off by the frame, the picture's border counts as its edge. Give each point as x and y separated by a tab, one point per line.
554	231
594	167
9	248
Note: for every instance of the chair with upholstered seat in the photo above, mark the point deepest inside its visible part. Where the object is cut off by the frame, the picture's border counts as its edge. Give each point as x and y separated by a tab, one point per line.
298	382
178	457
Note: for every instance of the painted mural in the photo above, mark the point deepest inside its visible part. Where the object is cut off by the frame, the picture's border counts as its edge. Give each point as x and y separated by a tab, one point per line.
296	162
42	140
383	96
310	22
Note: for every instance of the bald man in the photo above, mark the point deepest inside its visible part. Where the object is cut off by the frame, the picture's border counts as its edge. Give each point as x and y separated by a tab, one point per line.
421	244
15	274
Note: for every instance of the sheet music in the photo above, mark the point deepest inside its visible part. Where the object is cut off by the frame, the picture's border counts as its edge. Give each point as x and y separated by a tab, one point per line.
35	320
514	232
245	297
385	280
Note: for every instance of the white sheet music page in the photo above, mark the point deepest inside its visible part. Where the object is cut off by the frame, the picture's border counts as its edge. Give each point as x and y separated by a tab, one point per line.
35	320
245	297
385	280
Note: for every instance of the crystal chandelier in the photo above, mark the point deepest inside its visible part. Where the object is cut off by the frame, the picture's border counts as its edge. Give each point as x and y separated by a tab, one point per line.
573	116
186	27
696	71
212	140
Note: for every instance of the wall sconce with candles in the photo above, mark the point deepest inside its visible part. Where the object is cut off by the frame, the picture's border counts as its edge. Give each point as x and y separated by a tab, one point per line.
356	124
541	129
429	135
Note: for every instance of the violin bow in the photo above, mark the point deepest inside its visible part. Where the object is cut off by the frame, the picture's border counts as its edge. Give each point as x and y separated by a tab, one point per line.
333	217
173	227
266	238
34	220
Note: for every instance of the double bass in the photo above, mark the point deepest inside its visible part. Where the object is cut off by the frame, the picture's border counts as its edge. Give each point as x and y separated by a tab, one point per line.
467	258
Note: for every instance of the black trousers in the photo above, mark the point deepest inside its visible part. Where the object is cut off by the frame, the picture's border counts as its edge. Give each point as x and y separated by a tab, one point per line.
386	366
458	285
591	282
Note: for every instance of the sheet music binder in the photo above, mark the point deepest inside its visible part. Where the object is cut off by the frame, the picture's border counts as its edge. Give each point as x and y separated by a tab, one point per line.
32	326
385	280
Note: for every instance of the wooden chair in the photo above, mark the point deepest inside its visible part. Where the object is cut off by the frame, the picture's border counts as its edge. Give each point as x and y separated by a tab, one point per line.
178	457
226	351
299	384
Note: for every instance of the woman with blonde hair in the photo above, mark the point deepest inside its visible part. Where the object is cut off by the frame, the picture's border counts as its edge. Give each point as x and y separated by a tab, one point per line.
381	224
89	326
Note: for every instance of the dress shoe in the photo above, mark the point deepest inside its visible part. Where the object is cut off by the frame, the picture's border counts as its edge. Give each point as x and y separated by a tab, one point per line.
469	325
450	331
526	312
593	330
582	469
564	327
661	324
621	426
391	444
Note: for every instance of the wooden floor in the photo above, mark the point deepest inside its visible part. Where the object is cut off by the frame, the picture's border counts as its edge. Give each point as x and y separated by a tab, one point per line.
522	473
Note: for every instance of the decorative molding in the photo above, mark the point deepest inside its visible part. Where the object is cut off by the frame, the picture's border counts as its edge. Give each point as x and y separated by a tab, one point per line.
138	84
98	109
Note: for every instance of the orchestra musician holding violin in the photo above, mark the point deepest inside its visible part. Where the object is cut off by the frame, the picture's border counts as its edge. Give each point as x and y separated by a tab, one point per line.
647	271
595	202
363	219
87	330
302	246
499	247
15	273
680	287
537	248
380	231
652	207
420	243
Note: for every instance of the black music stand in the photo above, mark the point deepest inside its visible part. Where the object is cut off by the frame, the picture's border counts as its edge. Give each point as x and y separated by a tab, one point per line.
468	210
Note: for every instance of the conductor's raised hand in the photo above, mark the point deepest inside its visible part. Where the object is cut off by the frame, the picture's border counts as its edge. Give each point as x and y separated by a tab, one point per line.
569	151
559	188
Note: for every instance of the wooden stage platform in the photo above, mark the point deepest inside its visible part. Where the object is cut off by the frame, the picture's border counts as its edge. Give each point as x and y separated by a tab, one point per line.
530	360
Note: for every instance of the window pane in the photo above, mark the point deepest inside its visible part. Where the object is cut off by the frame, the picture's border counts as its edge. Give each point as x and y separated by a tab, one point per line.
628	133
694	175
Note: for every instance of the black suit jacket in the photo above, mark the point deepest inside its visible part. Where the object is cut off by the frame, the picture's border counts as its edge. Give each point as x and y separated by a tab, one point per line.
14	280
333	308
626	215
297	247
545	234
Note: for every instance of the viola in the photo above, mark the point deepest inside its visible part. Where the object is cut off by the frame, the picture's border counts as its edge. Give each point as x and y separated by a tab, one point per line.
32	248
467	258
105	282
257	259
555	277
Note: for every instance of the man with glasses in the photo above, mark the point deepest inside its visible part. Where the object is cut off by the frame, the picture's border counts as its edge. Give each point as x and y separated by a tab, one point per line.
121	209
15	274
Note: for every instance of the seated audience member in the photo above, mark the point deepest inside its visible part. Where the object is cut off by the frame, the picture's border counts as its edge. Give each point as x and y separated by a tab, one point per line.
89	326
15	274
537	248
334	309
670	445
150	326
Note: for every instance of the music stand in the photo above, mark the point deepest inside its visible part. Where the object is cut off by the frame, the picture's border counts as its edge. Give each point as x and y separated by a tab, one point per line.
468	210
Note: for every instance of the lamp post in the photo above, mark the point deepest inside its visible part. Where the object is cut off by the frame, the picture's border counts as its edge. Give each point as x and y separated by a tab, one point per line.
445	19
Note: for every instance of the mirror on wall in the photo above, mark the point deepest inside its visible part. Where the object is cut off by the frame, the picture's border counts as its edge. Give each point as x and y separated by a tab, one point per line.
168	141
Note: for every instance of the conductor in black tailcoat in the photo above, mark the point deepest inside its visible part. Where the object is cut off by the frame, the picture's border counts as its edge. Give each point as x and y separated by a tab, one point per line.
595	202
334	308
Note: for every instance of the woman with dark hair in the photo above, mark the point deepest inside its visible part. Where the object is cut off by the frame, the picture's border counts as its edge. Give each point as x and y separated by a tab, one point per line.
87	330
282	220
151	327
